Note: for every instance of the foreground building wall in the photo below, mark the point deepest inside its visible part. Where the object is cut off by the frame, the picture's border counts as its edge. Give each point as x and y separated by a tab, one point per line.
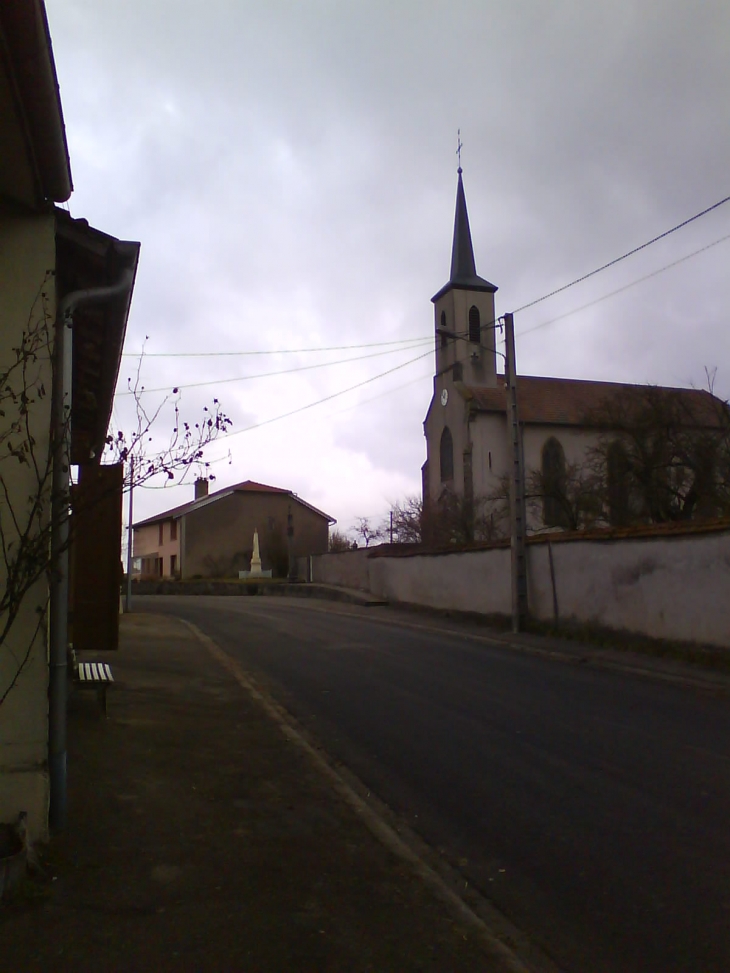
674	585
27	260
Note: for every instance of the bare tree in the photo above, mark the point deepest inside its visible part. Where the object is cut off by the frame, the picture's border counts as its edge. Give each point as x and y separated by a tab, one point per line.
26	467
28	452
183	451
662	456
572	499
404	521
338	542
364	529
454	520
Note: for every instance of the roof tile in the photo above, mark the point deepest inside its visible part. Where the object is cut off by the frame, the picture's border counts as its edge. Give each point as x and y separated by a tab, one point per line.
567	401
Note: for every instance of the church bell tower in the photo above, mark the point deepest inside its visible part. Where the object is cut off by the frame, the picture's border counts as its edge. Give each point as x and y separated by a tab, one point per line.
464	311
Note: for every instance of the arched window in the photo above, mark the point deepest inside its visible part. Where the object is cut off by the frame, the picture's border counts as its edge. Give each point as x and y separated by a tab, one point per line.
446	455
617	470
444	339
475	325
554	500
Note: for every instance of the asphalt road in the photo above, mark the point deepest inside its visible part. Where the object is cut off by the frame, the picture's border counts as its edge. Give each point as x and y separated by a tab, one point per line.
591	807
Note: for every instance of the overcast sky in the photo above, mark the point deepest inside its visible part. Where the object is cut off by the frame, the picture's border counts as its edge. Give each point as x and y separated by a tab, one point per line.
290	170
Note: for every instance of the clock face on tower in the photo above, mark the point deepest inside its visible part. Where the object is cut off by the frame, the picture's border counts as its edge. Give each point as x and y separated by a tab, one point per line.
444	397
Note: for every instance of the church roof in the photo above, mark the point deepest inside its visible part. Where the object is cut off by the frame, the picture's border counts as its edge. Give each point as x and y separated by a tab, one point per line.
463	266
571	402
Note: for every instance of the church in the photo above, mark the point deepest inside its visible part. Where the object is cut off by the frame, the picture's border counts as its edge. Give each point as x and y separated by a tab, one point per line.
468	446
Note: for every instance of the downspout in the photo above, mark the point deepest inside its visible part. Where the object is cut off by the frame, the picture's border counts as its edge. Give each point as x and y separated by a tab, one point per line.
60	493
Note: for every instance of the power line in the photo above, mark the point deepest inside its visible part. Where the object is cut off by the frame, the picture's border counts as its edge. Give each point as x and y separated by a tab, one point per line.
285	371
327	398
380	395
282	351
630	253
626	287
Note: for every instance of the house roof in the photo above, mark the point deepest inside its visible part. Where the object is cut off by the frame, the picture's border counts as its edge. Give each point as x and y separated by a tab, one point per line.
247	486
33	129
572	402
463	266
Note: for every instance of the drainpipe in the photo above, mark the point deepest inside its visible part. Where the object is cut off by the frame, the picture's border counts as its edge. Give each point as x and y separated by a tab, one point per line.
61	439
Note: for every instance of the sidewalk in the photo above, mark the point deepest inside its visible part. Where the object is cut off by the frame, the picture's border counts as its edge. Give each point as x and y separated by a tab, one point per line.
201	839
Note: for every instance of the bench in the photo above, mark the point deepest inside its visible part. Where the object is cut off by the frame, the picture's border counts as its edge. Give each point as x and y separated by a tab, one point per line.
92	675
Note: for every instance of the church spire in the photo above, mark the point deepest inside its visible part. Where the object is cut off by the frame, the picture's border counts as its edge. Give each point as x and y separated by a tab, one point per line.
463	267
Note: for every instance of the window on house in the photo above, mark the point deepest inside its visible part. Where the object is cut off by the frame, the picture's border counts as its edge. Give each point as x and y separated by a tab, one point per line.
159	538
475	325
173	530
554	499
159	566
173	564
444	339
446	455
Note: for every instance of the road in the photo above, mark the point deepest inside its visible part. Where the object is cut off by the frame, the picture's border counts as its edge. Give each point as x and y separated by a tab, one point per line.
591	807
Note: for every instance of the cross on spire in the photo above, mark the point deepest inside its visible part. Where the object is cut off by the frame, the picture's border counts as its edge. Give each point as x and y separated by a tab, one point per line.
459	145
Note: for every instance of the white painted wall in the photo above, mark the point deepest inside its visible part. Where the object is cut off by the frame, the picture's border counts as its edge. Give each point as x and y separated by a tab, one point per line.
467	582
667	587
27	255
671	587
347	570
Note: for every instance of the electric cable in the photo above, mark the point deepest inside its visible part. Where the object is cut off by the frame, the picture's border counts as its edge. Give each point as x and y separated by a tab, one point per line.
285	371
327	398
630	253
380	395
280	351
620	290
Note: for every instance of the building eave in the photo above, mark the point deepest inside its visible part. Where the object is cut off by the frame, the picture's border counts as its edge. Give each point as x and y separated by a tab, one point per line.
476	284
88	258
26	54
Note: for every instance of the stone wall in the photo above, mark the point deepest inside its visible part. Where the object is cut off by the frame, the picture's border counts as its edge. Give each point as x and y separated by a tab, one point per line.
348	570
672	585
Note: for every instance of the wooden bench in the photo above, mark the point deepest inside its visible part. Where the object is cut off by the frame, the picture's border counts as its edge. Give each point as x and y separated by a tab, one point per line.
92	675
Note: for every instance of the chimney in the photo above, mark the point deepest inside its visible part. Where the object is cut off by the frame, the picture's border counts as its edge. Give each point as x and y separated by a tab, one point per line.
201	488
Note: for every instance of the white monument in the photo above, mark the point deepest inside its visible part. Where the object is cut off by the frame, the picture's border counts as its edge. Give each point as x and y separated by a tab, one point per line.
256	571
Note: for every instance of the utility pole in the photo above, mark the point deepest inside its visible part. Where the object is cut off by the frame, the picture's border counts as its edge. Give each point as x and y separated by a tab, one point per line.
391	526
517	484
128	601
290	544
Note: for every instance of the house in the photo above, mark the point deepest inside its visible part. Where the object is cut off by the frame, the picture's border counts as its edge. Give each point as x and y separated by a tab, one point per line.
468	442
65	292
212	535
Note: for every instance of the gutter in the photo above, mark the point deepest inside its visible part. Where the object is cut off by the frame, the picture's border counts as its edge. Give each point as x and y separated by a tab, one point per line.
60	531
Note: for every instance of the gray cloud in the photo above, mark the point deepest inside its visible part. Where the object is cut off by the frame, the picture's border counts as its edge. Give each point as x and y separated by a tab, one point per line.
289	170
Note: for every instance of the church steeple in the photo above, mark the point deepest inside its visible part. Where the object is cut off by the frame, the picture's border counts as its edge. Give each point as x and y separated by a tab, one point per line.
463	266
464	312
